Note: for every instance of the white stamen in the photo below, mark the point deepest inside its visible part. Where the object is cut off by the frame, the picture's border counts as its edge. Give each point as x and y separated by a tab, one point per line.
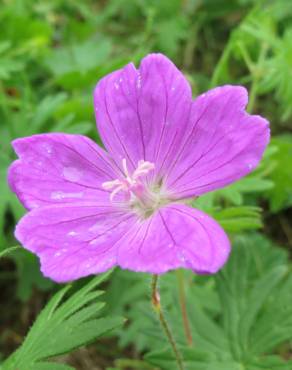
143	168
130	181
107	185
116	191
125	168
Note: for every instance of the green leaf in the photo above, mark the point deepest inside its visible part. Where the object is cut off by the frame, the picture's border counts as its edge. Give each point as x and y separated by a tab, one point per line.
45	110
193	359
231	315
7	251
270	363
29	275
235	219
257	297
252	183
8	64
62	327
76	65
280	196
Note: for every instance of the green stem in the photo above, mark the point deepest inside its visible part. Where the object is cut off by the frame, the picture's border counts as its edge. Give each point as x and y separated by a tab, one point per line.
221	65
155	298
256	73
183	306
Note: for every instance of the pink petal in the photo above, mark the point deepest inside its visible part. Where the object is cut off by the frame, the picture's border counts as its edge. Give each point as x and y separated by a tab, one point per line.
74	240
59	168
142	114
175	236
222	144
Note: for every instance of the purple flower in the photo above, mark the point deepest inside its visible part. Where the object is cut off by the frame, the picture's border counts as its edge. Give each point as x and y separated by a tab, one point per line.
91	209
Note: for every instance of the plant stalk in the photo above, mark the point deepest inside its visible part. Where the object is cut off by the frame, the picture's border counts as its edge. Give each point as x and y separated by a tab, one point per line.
155	299
183	306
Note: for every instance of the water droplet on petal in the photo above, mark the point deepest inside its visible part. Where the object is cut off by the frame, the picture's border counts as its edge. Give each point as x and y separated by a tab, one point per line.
95	227
181	256
72	173
46	148
139	82
59	195
72	233
93	242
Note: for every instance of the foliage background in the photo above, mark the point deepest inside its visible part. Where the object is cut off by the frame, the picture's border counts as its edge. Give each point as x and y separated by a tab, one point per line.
52	53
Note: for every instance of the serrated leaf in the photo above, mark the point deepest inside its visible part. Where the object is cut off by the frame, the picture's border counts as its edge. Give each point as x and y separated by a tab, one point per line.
235	219
62	327
193	359
257	298
270	363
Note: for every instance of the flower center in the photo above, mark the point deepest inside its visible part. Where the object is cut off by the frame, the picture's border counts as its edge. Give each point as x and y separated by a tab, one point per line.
136	192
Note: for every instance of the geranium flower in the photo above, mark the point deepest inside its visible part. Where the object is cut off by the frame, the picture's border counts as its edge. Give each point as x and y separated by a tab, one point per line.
91	209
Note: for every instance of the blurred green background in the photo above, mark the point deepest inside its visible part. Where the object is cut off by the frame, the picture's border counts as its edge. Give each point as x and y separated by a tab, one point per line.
53	52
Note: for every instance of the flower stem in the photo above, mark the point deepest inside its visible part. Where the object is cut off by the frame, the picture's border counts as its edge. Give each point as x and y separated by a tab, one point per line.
183	307
155	298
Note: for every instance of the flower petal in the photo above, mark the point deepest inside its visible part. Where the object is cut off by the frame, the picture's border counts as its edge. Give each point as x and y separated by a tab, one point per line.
175	236
73	240
142	114
222	144
59	168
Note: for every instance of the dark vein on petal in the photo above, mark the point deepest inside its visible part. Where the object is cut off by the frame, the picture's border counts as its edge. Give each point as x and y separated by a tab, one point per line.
208	150
86	159
165	112
111	228
167	229
222	165
139	117
110	162
190	135
82	218
112	124
171	147
145	235
201	224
